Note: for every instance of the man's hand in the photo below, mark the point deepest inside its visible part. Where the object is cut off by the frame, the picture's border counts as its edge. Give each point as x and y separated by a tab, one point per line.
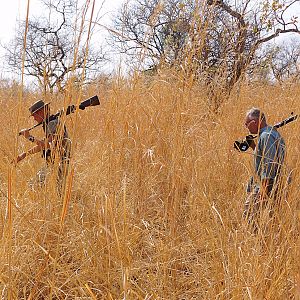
25	133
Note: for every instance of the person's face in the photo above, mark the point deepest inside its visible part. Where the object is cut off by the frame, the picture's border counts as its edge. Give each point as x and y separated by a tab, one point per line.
39	115
252	125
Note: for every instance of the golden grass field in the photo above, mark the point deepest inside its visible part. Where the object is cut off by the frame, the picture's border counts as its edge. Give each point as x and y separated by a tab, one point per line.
154	201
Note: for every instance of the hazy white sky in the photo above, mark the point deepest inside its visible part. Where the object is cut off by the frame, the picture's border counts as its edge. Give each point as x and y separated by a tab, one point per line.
13	10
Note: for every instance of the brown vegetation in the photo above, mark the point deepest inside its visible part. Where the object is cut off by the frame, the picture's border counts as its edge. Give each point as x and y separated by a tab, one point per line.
156	199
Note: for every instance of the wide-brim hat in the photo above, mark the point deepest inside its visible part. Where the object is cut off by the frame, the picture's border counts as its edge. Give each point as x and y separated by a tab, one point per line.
37	106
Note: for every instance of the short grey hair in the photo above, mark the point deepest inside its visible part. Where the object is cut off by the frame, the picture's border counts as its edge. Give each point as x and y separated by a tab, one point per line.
256	113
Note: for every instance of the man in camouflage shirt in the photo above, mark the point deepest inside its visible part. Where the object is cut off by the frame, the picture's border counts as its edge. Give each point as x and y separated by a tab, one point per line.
55	146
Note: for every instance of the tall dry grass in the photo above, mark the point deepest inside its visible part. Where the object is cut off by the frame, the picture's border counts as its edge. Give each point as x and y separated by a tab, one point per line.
155	204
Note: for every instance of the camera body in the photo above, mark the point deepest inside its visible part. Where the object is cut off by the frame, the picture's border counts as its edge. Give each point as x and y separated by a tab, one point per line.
244	144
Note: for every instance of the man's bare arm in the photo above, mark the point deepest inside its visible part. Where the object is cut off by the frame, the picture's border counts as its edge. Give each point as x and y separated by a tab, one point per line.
40	145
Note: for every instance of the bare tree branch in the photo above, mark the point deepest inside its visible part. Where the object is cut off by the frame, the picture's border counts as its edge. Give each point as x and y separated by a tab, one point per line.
50	48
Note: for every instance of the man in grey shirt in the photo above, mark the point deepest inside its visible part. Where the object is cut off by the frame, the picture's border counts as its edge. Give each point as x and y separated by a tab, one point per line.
269	155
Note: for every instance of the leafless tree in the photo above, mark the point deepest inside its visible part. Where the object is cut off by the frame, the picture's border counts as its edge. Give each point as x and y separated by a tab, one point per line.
215	40
52	53
249	25
153	31
285	62
276	63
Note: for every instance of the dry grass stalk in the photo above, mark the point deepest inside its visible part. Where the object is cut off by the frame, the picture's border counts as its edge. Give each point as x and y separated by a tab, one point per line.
153	206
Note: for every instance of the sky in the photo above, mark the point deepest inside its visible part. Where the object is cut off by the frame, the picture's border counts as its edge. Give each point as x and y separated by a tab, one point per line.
13	10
